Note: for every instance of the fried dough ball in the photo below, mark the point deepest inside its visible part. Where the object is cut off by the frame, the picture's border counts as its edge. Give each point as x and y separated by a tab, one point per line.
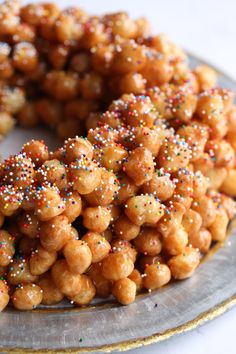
85	175
55	233
97	219
68	283
4	297
148	242
7	248
117	265
19	272
183	265
86	292
78	256
144	209
106	190
41	260
156	275
98	246
139	166
27	297
124	291
51	295
126	229
49	204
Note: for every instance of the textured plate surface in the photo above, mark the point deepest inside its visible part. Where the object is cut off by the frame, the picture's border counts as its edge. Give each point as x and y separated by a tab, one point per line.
178	307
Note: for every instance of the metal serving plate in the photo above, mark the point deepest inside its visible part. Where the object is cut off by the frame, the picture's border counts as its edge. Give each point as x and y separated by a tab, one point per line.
176	308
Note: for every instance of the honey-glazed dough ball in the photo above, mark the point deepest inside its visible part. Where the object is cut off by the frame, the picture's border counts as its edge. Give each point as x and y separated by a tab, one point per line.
19	272
106	191
98	245
78	256
41	260
97	219
68	283
117	266
86	292
51	295
55	233
27	297
183	265
139	166
148	242
144	209
7	248
124	291
156	275
4	297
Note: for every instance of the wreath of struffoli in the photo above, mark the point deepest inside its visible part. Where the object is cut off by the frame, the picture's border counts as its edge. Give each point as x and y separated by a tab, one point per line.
143	183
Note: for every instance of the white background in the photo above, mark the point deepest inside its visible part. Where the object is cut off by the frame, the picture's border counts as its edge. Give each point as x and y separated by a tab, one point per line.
208	29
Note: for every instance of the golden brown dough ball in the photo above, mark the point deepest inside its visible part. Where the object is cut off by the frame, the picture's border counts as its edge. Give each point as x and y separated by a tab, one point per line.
11	99
228	187
73	205
174	154
4	297
85	175
78	256
37	151
157	71
10	200
86	292
55	233
183	265
124	291
160	186
206	207
132	83
96	219
175	242
139	111
48	203
98	245
67	282
144	209
61	85
18	171
7	123
27	297
25	57
53	172
51	295
201	239
127	189
148	242
117	266
206	77
106	191
28	224
7	248
102	285
156	275
139	166
125	229
218	228
92	86
41	260
76	148
19	272
136	54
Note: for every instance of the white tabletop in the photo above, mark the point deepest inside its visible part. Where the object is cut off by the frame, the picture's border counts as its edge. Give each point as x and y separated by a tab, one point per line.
207	28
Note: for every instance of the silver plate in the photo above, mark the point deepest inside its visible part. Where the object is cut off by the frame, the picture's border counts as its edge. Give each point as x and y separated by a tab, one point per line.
178	307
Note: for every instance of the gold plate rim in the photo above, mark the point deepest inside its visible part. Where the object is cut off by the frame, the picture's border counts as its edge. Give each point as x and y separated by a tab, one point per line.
204	317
